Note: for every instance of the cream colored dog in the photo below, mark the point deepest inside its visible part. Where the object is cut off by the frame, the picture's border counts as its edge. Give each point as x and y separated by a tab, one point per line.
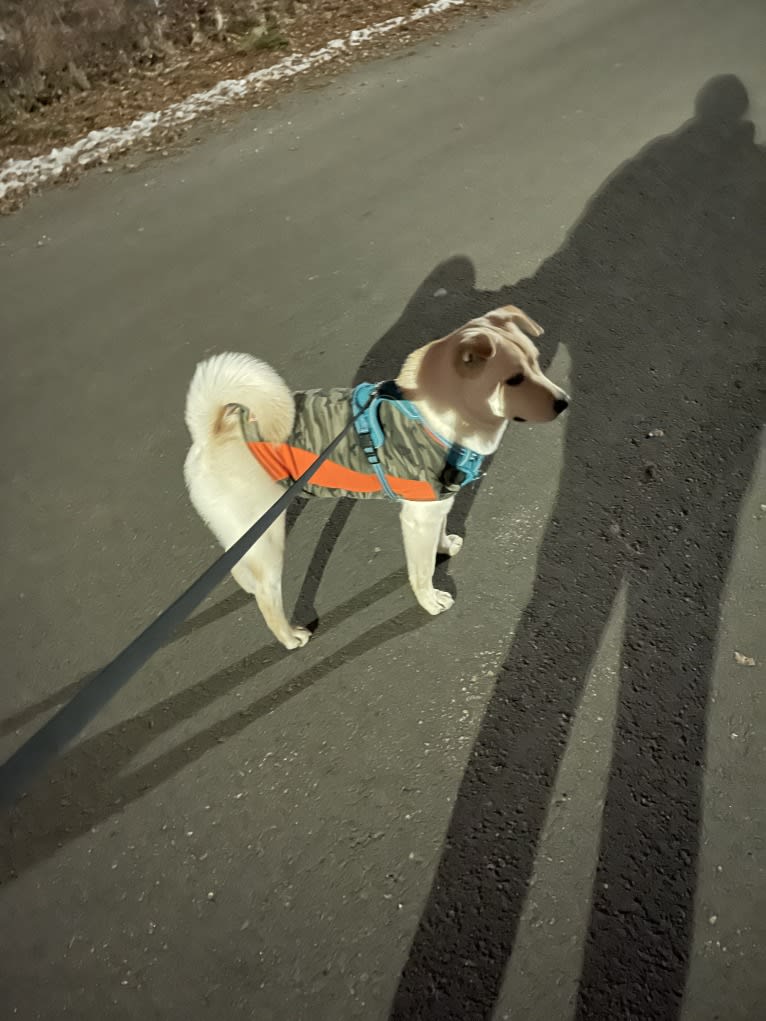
248	442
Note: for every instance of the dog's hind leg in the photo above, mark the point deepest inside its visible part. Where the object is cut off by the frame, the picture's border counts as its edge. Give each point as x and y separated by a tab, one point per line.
260	573
423	526
230	499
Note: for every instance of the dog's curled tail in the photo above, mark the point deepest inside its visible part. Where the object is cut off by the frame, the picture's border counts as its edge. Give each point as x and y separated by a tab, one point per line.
238	380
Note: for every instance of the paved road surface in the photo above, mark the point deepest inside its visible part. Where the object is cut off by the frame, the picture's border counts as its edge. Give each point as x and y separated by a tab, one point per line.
559	782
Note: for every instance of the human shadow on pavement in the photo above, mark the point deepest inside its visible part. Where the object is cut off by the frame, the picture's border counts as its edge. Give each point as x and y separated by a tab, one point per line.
659	294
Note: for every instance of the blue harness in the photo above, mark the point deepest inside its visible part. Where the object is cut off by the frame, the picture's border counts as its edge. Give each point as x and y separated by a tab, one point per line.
462	465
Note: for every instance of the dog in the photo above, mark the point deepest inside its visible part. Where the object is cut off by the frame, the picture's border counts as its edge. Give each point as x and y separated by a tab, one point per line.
416	440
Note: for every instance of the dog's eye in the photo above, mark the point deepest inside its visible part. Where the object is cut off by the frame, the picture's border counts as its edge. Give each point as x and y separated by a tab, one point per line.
515	380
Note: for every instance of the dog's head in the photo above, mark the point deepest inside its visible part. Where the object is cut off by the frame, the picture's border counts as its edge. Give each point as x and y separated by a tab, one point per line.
489	371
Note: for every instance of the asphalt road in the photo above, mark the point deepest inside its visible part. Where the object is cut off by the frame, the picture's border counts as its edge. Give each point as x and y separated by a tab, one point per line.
546	804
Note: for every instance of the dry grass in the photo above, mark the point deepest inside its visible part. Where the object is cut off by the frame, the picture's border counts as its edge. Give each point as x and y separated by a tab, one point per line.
50	48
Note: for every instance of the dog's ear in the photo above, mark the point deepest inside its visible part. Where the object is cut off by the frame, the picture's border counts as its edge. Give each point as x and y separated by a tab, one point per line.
474	351
522	320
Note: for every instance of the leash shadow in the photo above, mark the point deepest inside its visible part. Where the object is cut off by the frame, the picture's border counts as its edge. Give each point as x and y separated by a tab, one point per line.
92	782
238	600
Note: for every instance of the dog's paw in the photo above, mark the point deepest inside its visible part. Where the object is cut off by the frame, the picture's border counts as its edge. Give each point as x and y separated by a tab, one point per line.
296	638
451	545
436	601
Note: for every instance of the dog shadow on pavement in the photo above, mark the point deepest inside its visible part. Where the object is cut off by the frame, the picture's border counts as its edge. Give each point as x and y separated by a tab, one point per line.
659	294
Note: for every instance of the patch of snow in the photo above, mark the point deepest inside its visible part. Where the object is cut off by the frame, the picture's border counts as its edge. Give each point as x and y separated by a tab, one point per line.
99	145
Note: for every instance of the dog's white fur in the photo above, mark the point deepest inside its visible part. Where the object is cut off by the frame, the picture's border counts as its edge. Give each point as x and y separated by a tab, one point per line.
467	386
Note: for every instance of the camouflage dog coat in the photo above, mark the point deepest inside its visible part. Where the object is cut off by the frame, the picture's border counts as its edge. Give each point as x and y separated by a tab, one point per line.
391	452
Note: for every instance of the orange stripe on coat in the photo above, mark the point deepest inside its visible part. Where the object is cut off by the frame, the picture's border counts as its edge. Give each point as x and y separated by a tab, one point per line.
282	461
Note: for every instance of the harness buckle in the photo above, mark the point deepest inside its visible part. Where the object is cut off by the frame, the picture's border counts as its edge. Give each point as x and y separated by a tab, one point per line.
453	479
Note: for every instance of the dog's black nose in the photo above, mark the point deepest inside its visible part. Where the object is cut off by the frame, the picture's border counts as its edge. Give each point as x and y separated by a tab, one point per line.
560	404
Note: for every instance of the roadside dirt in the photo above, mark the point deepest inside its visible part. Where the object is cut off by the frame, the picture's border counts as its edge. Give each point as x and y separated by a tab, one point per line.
117	103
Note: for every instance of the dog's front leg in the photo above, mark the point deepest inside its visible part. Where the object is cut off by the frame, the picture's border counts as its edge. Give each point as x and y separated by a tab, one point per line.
449	545
423	528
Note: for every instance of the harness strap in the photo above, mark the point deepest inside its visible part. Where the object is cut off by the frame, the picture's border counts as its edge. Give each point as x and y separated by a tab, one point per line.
369	429
463	465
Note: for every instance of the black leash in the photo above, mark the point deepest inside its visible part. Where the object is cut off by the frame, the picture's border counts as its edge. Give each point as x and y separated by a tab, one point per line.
61	729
